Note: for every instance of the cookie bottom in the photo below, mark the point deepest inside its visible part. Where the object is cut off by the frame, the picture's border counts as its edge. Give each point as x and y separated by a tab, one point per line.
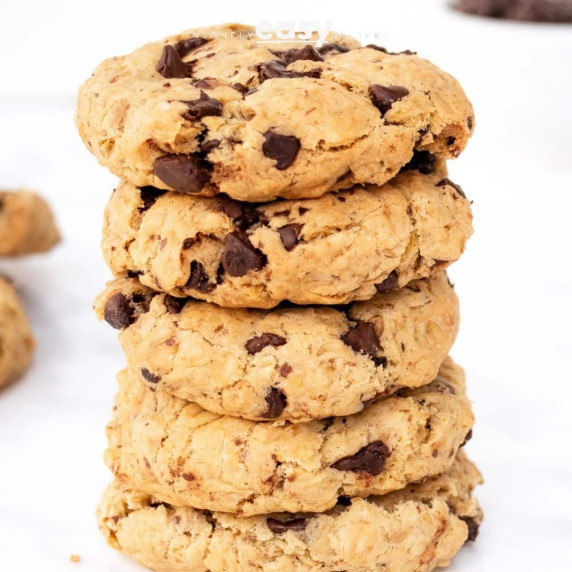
418	528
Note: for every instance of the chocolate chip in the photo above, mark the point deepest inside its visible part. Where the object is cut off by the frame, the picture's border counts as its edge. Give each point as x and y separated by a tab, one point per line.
243	215
186	174
371	459
240	88
188	477
390	283
451	140
285	212
172	304
275	69
134	273
185	47
170	64
362	339
240	256
285	370
208	146
470	122
119	312
473	527
422	161
199	279
204	106
281	526
289	234
445	182
282	148
149	196
384	97
258	343
302	210
305	53
276	401
328	48
380	49
205	83
468	437
150	377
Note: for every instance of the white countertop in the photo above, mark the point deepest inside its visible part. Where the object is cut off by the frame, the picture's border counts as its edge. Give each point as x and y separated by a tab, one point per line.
514	282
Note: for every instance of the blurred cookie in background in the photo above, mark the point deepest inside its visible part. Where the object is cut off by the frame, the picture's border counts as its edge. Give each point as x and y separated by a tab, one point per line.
27	224
17	342
523	10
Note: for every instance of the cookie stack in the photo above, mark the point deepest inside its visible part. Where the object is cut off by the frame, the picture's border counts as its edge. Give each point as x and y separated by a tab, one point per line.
279	239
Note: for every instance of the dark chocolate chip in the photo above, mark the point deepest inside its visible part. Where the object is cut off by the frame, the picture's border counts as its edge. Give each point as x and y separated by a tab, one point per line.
451	140
371	459
383	97
203	107
285	369
302	210
205	83
362	339
390	283
119	311
289	234
276	401
445	182
149	196
381	49
285	212
208	146
281	526
305	53
186	174
422	161
258	343
473	527
282	148
468	437
173	305
240	256
470	122
170	64
243	215
328	48
240	88
150	377
185	47
134	273
380	361
275	69
199	279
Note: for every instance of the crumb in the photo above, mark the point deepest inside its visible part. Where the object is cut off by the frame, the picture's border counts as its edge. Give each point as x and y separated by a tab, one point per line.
74	558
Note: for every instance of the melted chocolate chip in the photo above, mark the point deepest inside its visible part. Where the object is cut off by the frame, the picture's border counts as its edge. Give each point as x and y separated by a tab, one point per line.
150	377
282	148
473	527
275	69
172	304
208	146
276	401
390	283
243	215
240	256
119	311
305	53
302	210
422	161
468	437
371	459
185	47
199	279
445	182
170	64
202	107
384	97
381	49
258	343
362	339
240	88
149	196
289	234
205	83
328	48
281	526
185	174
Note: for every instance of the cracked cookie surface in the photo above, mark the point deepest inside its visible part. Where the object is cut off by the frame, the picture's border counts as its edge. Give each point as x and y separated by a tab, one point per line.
203	114
16	339
340	247
292	363
416	529
184	455
27	224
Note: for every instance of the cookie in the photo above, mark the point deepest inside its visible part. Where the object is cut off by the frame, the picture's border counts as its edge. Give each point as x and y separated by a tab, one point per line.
16	339
415	529
215	111
525	10
27	224
332	250
184	455
292	363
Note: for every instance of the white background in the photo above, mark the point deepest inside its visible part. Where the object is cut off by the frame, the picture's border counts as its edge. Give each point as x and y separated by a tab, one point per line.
514	281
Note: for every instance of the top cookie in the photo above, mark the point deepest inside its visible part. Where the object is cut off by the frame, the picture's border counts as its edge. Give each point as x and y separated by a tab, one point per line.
213	111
